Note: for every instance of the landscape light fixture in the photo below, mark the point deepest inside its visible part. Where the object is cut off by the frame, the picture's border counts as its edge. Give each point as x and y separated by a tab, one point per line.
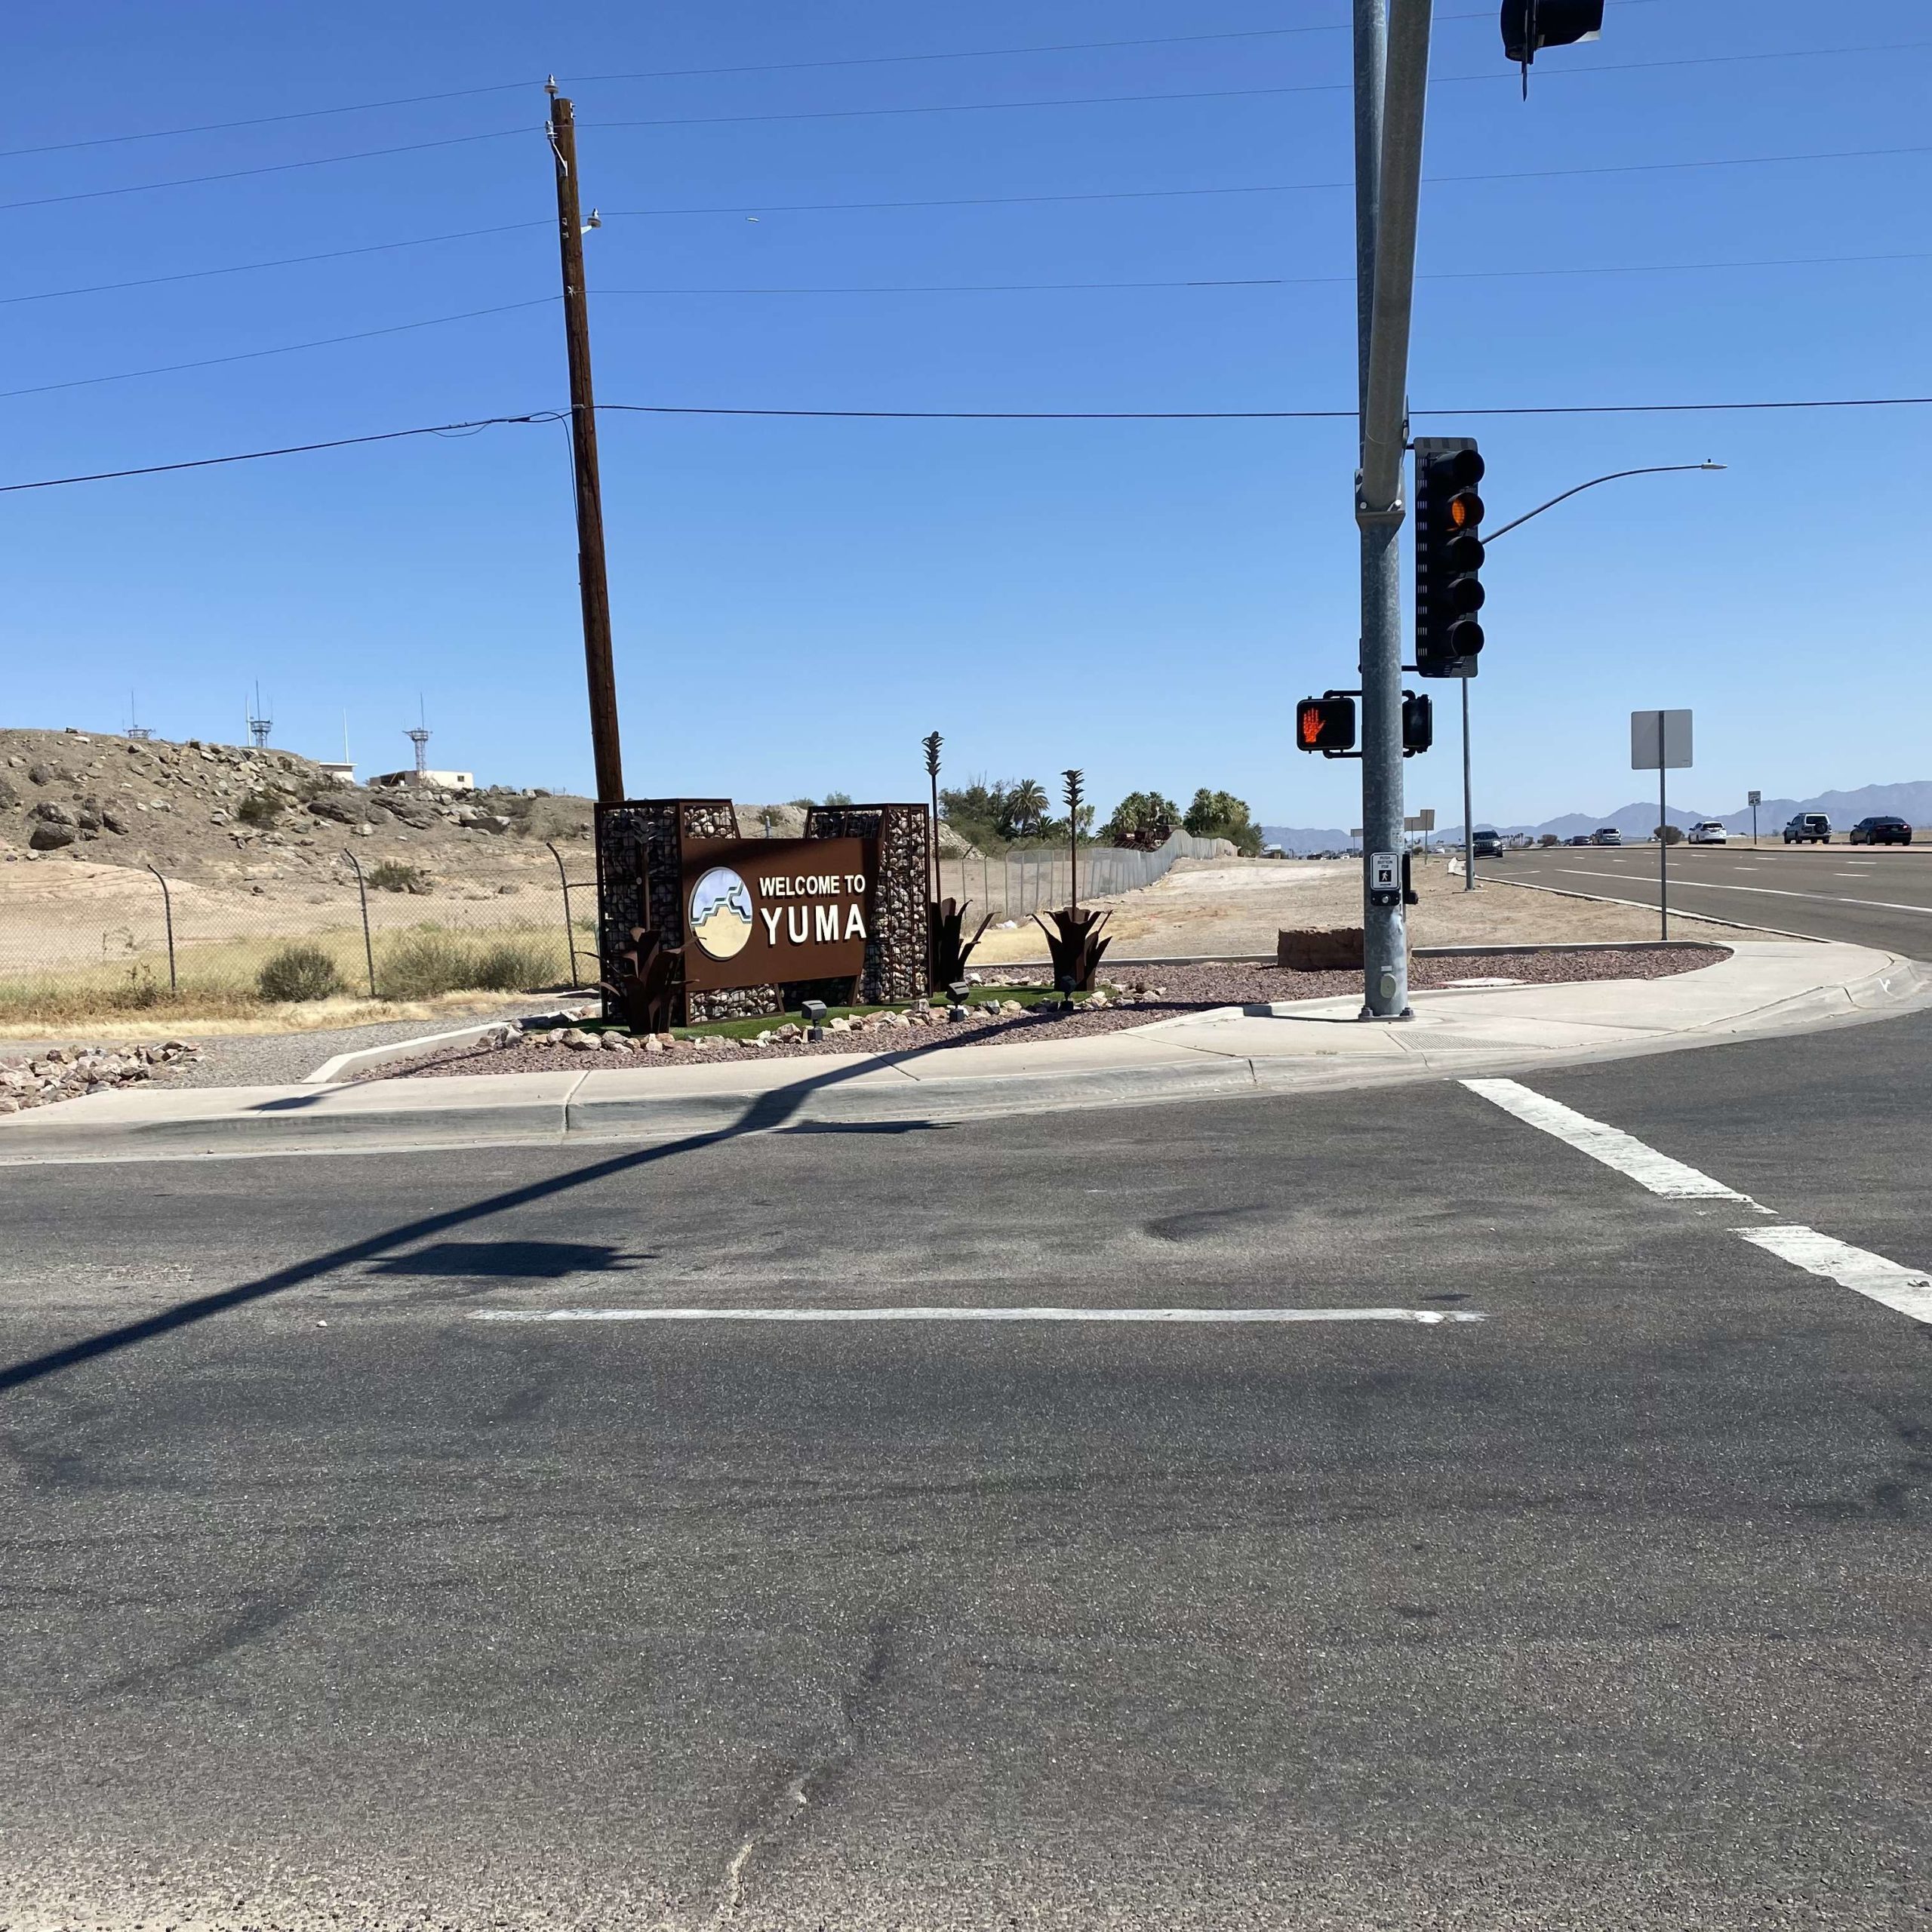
960	991
814	1012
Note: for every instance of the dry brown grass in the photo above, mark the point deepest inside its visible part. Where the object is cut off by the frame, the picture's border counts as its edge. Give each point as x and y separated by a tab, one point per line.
1237	906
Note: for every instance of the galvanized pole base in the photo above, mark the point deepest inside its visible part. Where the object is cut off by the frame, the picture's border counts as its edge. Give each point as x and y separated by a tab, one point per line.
1385	933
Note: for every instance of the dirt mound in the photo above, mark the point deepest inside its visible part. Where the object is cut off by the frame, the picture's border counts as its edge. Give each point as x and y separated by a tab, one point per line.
218	813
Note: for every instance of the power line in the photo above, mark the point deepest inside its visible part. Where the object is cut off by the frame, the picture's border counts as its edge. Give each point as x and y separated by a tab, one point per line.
982	201
261	120
1253	415
682	73
1262	282
980	288
281	262
292	449
977	416
865	113
960	288
1233	93
270	167
282	348
992	52
1259	187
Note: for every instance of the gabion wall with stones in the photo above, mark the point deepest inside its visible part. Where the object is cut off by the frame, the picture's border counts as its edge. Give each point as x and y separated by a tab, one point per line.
899	953
639	885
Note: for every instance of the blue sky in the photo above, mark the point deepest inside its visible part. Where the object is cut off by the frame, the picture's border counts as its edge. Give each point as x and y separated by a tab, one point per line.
797	602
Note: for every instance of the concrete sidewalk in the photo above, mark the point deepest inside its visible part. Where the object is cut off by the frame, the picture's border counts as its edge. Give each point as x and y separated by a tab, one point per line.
1765	987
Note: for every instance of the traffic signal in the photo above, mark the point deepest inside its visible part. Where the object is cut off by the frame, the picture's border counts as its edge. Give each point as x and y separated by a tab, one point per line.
1531	25
1449	555
1326	725
1418	722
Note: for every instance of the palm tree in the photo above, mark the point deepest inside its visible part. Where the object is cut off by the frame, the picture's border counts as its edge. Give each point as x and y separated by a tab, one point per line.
1026	807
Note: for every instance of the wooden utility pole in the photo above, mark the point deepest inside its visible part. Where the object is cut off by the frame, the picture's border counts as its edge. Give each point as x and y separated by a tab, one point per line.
593	584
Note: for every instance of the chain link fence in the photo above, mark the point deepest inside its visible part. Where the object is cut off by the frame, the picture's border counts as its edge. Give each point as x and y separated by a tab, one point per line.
123	939
1025	882
78	944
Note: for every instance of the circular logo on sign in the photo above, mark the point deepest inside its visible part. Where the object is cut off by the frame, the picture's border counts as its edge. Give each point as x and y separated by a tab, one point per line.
721	913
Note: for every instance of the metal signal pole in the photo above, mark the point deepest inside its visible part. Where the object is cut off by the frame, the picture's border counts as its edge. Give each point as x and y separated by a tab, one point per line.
1391	253
593	584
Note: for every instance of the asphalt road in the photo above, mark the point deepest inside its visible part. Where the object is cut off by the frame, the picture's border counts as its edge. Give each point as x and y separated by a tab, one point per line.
324	1604
1870	895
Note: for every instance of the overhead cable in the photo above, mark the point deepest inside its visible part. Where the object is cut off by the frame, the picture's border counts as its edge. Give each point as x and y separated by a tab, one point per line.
1233	93
290	449
977	416
281	348
280	261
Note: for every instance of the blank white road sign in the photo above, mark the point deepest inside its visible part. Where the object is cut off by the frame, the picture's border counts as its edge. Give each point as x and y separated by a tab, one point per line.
1659	740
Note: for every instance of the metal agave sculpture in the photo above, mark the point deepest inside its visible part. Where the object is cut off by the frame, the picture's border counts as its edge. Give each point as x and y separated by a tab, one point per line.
643	981
951	949
1074	939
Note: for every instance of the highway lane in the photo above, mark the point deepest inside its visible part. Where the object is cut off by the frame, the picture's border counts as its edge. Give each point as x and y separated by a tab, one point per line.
1878	895
324	1603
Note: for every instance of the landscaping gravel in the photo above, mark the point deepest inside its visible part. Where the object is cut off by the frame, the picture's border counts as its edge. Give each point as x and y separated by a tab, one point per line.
1145	994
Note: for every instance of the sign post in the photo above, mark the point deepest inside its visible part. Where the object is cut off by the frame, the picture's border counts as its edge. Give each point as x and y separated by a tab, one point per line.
1756	799
1660	742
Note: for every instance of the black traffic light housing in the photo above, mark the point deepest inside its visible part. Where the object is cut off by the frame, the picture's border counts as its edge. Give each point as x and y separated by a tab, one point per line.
1449	560
1418	722
1327	725
1528	25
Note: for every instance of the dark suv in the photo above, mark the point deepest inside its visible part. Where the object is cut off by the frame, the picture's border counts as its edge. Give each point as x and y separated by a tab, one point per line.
1881	831
1808	829
1486	844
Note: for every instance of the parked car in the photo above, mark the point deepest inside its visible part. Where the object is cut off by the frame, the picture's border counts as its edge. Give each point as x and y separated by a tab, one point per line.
1579	839
1876	831
1808	829
1708	831
1606	834
1485	844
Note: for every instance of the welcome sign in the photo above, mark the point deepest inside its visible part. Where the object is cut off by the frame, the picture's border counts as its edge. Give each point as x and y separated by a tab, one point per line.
770	912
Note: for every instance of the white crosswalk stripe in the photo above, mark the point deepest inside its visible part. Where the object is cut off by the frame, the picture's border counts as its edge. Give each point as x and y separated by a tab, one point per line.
1907	1289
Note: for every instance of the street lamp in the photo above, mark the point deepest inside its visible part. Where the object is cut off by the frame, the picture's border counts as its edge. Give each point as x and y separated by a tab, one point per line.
1651	469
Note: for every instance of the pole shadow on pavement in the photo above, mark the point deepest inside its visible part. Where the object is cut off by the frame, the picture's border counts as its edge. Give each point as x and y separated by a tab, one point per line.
768	1112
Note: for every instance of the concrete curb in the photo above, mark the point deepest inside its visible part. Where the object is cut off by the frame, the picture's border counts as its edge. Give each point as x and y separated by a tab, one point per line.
1232	1053
359	1060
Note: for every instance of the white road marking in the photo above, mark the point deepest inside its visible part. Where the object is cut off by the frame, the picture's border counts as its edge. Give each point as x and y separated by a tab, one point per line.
1609	1144
1907	1290
1767	891
1426	1316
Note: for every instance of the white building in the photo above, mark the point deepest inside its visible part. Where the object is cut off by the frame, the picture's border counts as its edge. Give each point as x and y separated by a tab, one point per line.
438	781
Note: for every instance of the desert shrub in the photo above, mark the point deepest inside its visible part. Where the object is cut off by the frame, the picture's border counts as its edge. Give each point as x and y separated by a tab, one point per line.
393	875
261	808
431	961
298	972
137	993
512	965
427	963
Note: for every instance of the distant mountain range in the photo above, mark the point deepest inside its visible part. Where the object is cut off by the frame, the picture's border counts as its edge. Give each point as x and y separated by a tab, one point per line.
1912	802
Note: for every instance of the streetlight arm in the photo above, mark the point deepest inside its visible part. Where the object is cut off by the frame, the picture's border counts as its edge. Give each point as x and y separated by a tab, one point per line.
1653	470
